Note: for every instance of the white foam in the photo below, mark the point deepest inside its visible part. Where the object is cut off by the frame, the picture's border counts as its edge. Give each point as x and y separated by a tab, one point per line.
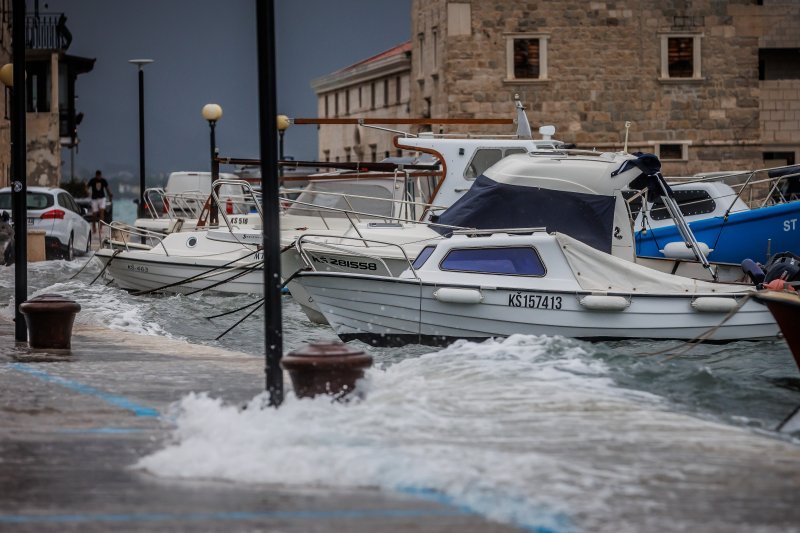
459	421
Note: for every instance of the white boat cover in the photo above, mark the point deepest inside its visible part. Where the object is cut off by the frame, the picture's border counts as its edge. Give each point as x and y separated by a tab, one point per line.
597	271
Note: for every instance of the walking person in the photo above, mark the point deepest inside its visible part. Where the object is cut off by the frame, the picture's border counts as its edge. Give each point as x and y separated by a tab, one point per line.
98	186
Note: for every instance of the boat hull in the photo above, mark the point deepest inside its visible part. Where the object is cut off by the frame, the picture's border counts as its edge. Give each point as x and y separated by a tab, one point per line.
389	311
329	261
140	271
785	307
753	234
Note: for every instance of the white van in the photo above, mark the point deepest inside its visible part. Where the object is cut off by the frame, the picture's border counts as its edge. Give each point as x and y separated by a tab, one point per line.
188	191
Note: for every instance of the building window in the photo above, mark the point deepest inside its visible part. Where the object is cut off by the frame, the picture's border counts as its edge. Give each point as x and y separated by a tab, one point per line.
526	57
459	18
326	154
778	159
421	40
779	64
680	56
673	151
397	90
335	104
385	93
37	86
435	34
373	150
372	95
347	102
360	103
327	106
347	154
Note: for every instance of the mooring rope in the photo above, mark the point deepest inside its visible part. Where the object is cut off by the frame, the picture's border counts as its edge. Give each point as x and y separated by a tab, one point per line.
192	278
244	271
259	302
699	339
82	268
113	255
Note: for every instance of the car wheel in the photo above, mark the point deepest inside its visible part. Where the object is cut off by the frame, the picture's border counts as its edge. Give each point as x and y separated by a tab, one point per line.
71	248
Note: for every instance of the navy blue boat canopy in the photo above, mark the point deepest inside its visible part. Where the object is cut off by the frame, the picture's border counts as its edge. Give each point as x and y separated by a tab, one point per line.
492	205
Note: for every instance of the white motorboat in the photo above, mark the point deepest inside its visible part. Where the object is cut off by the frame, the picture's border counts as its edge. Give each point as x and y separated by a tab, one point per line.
475	287
223	259
579	193
334	205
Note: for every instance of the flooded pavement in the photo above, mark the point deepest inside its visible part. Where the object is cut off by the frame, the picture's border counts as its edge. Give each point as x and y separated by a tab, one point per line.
144	426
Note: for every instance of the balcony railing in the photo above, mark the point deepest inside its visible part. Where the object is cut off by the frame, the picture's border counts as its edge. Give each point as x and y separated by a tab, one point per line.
47	32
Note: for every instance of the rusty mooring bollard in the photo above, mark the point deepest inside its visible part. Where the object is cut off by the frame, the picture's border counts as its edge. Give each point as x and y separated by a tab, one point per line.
50	318
325	367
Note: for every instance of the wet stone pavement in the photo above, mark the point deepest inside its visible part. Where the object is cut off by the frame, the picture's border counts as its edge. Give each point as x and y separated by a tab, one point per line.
72	425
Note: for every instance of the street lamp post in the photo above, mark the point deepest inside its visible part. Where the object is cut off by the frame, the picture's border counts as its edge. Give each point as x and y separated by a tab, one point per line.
212	113
140	64
283	124
14	76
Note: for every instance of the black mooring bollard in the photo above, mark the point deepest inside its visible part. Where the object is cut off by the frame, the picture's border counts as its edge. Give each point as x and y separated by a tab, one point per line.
325	367
50	318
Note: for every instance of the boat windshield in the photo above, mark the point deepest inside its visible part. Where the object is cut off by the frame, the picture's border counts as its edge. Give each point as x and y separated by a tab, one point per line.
516	260
360	197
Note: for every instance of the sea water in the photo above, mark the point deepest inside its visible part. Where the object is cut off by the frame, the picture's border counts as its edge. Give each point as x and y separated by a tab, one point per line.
543	432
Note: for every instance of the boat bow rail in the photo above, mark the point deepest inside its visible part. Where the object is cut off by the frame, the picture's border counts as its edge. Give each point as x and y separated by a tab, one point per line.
130	238
357	247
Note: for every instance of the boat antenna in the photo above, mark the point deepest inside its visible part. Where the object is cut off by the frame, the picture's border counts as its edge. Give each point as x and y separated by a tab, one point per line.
627	128
523	126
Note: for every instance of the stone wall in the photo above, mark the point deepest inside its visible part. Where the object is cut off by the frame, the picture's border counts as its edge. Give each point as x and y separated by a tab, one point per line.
5	124
604	68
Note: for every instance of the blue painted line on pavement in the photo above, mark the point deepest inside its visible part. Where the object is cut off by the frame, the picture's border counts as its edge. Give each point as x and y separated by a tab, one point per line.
444	499
227	516
108	431
113	399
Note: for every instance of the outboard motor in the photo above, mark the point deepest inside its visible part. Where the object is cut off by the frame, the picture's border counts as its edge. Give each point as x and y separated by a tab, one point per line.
784	266
753	271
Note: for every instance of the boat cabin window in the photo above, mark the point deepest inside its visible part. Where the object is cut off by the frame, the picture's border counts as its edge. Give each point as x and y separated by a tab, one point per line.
508	260
690	201
486	157
338	194
423	256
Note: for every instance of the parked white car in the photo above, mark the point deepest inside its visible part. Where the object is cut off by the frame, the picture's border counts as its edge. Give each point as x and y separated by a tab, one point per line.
55	211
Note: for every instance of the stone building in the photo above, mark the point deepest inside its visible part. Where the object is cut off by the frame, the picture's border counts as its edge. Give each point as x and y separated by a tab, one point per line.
51	118
5	125
705	84
375	87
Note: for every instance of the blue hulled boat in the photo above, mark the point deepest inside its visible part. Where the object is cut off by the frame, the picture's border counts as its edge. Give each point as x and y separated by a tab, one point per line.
721	221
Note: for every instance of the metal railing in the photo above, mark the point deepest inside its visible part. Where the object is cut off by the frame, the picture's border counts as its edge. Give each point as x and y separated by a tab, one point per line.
130	238
306	239
48	32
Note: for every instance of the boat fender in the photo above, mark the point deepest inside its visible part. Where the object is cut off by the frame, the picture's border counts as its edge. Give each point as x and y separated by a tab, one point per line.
458	296
679	250
753	271
713	304
604	302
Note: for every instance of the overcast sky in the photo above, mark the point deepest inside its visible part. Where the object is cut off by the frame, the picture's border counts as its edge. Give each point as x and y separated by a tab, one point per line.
205	51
